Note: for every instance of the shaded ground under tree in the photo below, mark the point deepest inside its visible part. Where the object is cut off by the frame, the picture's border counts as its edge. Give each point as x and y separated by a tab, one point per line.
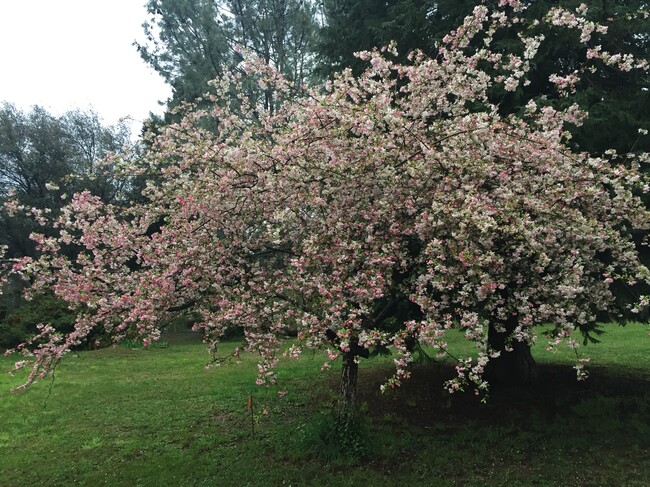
423	401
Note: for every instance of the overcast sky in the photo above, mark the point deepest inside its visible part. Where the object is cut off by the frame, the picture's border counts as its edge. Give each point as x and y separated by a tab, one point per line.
65	54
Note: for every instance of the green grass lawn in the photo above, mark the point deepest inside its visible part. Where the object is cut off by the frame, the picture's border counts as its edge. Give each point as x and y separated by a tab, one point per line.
157	417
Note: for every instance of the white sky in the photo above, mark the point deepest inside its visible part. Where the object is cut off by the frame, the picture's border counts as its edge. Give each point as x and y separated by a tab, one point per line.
66	54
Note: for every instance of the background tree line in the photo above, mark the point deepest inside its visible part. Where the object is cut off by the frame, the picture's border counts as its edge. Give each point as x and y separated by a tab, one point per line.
43	160
193	41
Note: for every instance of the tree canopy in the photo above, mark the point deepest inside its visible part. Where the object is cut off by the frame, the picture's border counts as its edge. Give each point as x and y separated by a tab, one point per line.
379	189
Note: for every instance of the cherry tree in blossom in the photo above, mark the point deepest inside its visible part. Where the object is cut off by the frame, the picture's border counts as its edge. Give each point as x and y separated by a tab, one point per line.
404	185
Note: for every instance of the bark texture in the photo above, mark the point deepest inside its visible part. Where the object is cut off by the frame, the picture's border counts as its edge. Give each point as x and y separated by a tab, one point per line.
349	376
516	366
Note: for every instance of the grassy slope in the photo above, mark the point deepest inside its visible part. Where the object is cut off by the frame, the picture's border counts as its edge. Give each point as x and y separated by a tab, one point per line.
157	417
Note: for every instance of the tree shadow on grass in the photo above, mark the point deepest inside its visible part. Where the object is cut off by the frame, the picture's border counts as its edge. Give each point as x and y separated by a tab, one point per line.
611	403
556	431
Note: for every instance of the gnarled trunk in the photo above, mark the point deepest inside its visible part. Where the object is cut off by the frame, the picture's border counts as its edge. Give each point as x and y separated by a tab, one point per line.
349	375
516	366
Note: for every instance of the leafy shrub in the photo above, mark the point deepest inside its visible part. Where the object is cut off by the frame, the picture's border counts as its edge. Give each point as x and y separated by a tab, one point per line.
333	438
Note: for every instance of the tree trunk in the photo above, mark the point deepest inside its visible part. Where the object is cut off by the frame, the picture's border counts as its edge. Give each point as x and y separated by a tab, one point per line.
349	375
511	367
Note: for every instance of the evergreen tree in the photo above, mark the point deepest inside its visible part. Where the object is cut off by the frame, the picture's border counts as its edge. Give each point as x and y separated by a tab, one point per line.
191	42
186	44
616	100
350	26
